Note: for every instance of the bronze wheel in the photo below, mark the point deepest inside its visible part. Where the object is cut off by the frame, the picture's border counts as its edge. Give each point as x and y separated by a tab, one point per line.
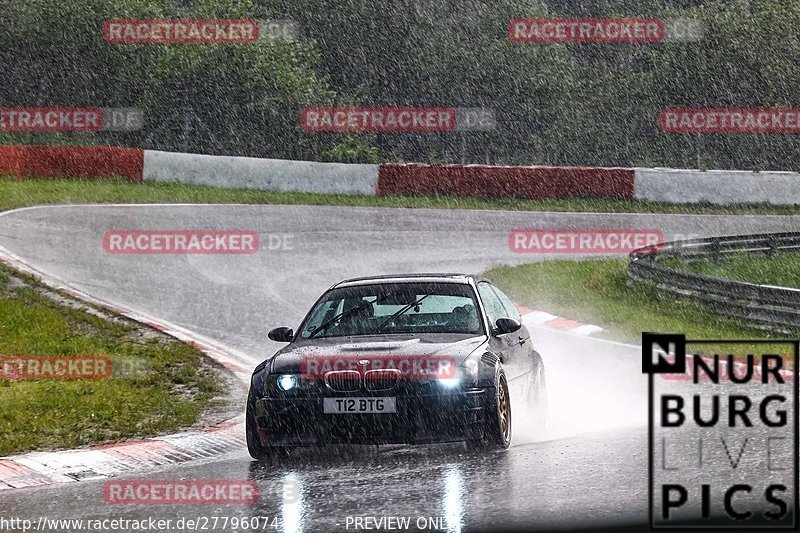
496	434
504	410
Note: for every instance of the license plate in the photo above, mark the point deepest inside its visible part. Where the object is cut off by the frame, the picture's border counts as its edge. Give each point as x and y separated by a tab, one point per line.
344	406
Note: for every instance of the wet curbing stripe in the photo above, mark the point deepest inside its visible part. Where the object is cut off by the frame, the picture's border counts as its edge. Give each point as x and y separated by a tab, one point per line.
550	321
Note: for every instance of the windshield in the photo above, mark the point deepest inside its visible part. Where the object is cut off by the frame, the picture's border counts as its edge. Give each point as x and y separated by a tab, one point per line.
394	308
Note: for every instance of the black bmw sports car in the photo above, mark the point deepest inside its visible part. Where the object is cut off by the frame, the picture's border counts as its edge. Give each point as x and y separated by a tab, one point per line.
413	359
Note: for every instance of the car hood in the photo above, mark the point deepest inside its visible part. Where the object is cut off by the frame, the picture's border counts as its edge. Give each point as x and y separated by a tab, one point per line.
459	347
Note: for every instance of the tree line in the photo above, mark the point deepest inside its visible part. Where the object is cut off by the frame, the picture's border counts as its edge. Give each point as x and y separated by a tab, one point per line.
554	104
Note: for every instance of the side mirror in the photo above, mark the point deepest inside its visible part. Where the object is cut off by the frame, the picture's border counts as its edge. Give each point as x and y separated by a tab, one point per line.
506	325
283	334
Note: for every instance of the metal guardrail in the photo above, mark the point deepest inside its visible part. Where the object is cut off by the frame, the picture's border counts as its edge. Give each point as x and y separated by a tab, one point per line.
765	305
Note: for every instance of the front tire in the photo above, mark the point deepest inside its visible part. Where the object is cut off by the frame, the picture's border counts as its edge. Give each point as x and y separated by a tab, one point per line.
497	423
255	448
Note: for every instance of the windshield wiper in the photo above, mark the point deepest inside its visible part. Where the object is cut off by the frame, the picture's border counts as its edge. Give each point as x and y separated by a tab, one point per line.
400	312
328	323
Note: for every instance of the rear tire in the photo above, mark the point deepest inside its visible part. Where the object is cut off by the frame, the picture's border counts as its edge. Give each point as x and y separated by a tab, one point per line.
497	423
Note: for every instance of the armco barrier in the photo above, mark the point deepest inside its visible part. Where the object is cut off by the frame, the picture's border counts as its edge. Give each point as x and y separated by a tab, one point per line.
87	162
261	174
775	307
536	183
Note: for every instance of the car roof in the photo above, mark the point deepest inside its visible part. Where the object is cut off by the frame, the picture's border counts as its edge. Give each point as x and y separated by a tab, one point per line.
436	277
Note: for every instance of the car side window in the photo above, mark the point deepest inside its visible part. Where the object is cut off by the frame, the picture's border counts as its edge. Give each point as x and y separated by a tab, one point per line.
511	309
324	312
494	307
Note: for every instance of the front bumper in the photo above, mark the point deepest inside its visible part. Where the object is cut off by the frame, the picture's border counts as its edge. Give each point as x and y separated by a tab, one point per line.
423	416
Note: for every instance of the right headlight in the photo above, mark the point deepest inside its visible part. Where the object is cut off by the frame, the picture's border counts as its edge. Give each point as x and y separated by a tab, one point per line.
287	382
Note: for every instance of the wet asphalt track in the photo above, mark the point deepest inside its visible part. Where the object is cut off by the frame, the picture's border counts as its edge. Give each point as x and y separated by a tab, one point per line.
589	469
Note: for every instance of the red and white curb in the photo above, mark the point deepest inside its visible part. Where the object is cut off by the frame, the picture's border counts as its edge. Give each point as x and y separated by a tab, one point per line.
46	468
547	320
96	462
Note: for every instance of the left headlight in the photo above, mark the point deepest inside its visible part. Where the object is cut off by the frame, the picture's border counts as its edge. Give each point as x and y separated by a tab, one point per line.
471	369
287	382
449	383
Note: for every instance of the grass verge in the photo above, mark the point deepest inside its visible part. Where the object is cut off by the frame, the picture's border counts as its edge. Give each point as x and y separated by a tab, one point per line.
16	193
781	269
157	384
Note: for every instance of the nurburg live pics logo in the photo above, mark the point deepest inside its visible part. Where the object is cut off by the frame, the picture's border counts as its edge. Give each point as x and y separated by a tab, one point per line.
723	432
